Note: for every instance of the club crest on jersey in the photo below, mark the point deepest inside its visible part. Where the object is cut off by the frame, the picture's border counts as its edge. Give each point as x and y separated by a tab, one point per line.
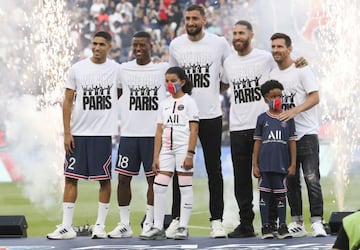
181	107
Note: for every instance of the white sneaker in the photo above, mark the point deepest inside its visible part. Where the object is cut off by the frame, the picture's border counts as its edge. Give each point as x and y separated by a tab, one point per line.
318	229
98	232
121	231
171	230
62	233
297	230
153	234
217	229
146	227
182	233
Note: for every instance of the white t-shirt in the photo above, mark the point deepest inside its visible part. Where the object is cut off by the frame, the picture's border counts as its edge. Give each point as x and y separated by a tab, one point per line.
95	110
143	88
202	61
298	83
245	75
175	115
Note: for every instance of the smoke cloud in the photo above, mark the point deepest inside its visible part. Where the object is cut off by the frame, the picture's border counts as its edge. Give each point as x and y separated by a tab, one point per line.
35	141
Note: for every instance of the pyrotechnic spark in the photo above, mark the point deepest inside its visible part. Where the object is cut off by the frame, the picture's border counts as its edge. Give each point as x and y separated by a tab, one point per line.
339	46
35	133
49	49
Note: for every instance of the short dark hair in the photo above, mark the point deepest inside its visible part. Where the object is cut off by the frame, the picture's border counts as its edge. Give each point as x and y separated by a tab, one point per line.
282	36
142	34
196	7
180	72
245	23
270	85
105	35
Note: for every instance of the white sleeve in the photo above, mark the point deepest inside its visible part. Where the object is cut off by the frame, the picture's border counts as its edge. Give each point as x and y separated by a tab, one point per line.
159	114
71	81
193	111
226	50
172	60
308	80
120	80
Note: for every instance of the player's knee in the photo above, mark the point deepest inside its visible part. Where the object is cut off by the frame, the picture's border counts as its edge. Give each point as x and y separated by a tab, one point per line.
162	180
124	180
185	180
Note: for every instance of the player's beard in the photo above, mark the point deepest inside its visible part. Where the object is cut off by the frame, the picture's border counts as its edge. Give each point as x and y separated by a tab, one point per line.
194	32
278	57
244	47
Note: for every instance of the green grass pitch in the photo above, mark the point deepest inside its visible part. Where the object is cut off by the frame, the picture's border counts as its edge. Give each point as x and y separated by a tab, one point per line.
42	221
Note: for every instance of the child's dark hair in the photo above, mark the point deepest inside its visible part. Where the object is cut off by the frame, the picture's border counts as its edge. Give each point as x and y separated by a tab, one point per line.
270	85
180	72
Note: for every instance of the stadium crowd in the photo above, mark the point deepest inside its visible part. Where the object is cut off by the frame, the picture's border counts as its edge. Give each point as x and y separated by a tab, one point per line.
161	18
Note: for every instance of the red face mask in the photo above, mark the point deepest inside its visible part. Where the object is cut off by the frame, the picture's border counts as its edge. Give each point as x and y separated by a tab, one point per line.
275	103
173	87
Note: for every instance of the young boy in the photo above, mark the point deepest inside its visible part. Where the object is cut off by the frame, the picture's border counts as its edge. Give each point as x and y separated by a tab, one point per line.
274	158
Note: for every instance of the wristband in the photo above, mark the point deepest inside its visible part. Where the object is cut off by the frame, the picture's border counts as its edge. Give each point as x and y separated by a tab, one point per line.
191	151
189	156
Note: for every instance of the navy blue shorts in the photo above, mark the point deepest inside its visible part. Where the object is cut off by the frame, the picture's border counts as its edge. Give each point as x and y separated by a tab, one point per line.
271	182
132	152
91	158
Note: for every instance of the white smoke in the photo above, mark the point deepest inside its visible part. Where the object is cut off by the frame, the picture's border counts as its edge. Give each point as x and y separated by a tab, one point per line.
341	89
35	55
35	141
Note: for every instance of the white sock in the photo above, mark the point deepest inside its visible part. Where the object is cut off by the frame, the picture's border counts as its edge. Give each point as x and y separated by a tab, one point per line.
68	213
103	209
159	205
124	214
187	198
149	214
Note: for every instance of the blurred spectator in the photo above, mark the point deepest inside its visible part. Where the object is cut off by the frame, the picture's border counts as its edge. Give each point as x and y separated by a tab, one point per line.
138	22
175	17
125	7
116	29
126	35
141	6
163	13
103	20
116	55
96	7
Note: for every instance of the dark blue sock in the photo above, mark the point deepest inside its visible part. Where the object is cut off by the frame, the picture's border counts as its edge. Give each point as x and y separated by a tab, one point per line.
264	206
281	207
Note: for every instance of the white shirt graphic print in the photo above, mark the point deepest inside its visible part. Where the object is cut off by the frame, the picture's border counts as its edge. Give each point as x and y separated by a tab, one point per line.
245	75
202	61
95	110
298	83
143	88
